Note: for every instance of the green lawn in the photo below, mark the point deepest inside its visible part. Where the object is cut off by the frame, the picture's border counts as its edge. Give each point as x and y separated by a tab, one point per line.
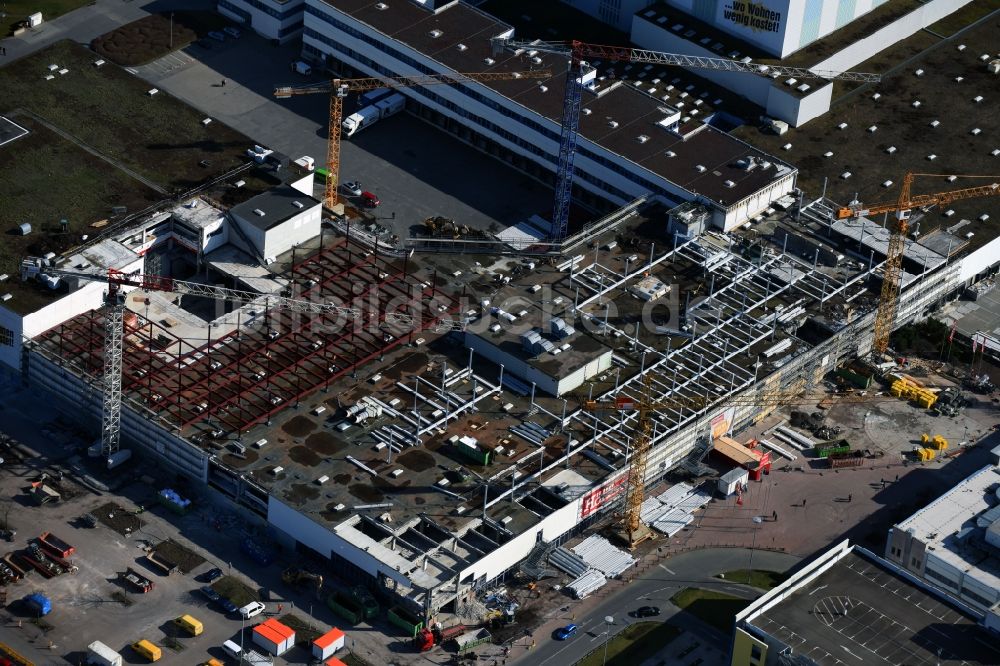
235	590
633	645
764	580
716	609
18	10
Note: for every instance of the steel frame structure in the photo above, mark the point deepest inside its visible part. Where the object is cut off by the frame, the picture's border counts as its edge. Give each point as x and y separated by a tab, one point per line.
228	385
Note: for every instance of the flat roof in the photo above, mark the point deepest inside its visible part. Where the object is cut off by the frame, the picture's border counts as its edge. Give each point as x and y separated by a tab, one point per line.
635	112
939	524
278	205
858	611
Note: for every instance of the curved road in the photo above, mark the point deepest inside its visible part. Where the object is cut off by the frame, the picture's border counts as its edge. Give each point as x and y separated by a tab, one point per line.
653	587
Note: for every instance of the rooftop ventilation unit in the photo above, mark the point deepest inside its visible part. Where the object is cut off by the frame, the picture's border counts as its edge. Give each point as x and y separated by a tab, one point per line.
586	112
984	57
887	184
803	88
791	82
975	131
877	96
915	104
463	47
952	179
787	146
959	79
536	60
543	88
984	217
435	33
298	204
919	72
845	175
670	153
642	138
890	150
381	6
872	129
931	157
730	184
995	152
960	47
258	211
828	154
842	126
613	124
935	123
977	99
700	168
489	61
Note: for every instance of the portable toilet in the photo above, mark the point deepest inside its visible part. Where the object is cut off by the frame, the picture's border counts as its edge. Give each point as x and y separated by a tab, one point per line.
327	645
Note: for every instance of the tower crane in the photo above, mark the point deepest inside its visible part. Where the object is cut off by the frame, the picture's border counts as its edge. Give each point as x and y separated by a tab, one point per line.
338	89
578	52
633	531
885	318
114	323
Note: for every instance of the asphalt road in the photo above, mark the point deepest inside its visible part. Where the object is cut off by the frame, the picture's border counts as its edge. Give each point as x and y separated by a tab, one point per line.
653	588
415	169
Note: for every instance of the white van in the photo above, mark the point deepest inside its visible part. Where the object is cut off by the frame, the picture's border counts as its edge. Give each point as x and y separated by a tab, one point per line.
232	649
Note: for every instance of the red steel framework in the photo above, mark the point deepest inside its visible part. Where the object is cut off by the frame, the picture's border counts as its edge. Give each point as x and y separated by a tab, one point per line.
236	382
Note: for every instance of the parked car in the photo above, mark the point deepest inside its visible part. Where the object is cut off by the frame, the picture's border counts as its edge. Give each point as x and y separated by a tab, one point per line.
212	575
646	611
563	633
217	36
232	31
353	187
370	200
205	43
252	609
227	606
210	594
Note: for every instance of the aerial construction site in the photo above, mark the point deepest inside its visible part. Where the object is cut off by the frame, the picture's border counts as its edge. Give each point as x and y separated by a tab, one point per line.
467	338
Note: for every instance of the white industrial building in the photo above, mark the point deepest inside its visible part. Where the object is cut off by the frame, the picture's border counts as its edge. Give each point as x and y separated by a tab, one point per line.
277	220
954	542
631	143
279	20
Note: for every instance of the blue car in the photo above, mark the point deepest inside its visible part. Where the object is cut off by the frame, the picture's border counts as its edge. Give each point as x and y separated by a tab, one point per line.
227	606
212	575
568	631
210	594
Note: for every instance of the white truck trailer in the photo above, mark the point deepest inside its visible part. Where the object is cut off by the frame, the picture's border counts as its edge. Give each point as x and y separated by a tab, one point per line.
373	113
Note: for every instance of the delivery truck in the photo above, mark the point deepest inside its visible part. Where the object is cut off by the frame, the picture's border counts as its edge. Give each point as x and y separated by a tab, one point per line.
373	113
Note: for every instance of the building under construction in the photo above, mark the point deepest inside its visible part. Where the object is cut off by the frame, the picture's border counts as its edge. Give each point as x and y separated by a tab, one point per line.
424	463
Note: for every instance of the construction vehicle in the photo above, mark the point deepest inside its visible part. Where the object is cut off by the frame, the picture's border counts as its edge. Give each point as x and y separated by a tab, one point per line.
114	328
885	318
338	89
430	638
55	545
294	576
136	580
577	52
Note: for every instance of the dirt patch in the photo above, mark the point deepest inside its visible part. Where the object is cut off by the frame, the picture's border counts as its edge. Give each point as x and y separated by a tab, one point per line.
342	479
305	633
247	458
325	443
143	41
365	492
304	456
300	493
185	559
299	426
416	460
121	521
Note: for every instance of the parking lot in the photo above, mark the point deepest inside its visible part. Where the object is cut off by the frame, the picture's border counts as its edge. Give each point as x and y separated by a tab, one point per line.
95	603
416	170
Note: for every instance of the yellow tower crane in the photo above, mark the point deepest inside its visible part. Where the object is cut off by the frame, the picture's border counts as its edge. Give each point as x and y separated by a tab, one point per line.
633	531
902	207
338	89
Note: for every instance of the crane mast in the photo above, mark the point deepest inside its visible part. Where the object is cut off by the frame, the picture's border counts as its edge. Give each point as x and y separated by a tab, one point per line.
578	51
338	89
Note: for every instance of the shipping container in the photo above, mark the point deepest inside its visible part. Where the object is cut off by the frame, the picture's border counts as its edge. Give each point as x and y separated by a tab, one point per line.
55	545
345	607
405	620
328	644
849	459
833	447
363	596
